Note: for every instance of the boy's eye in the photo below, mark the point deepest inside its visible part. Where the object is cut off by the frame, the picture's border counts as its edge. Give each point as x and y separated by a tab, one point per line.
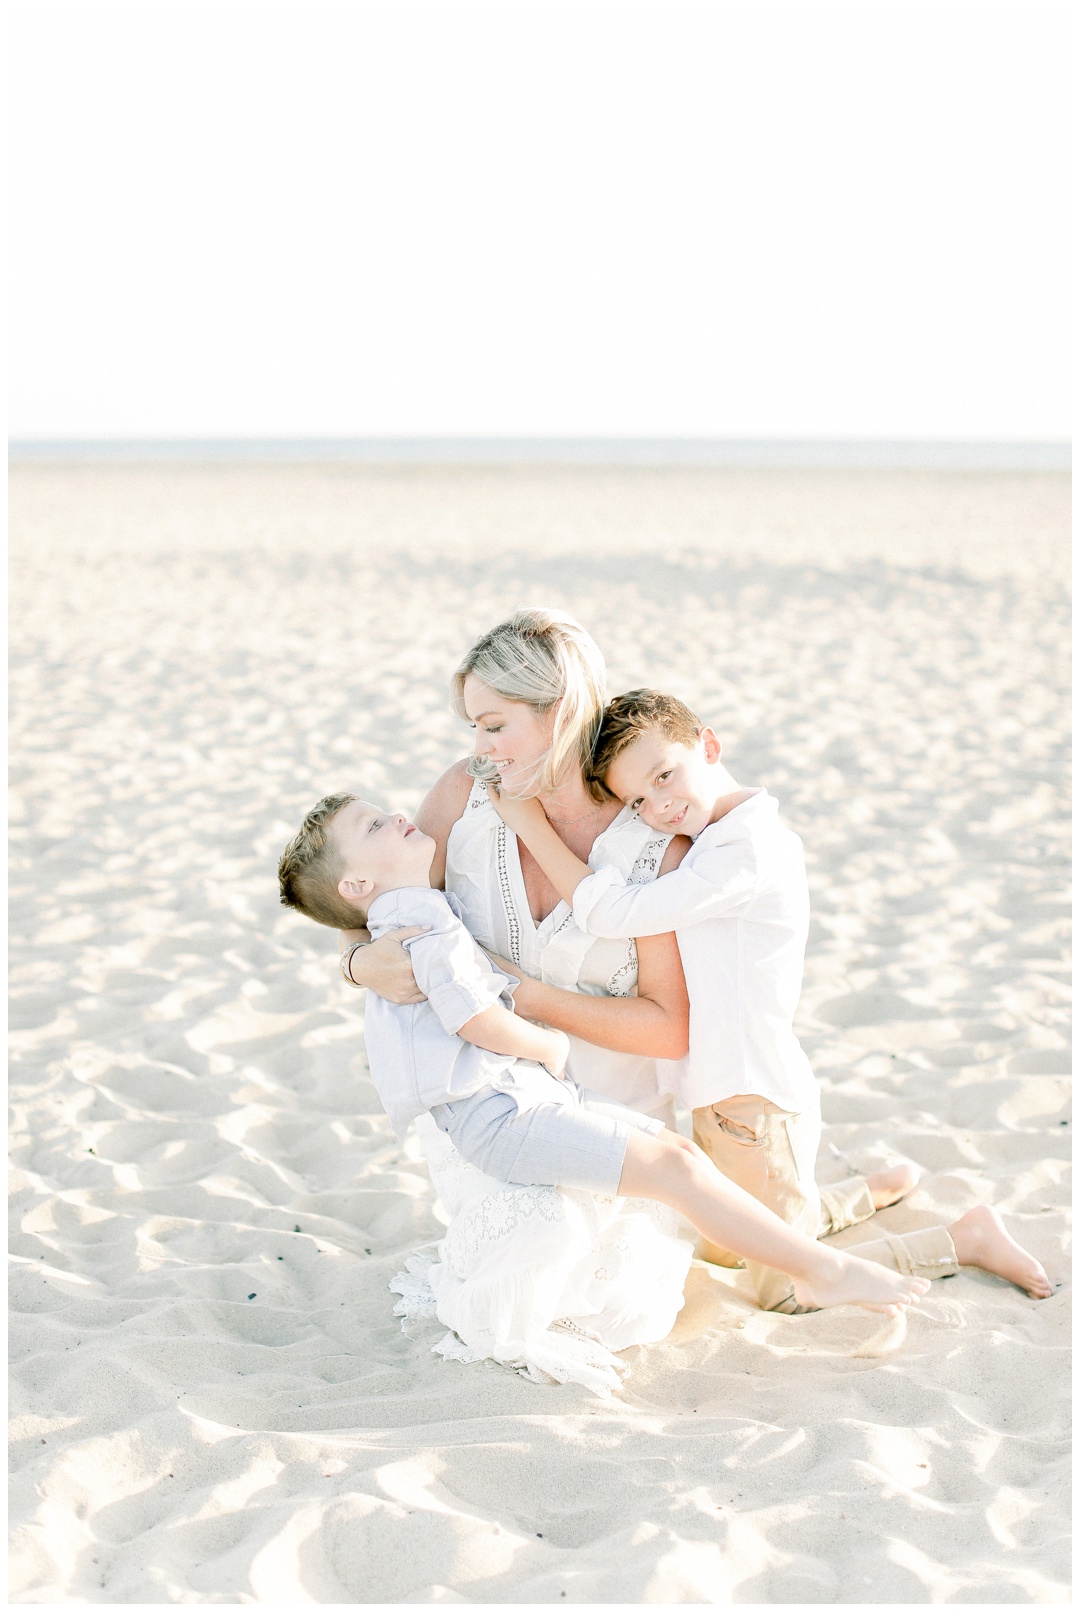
662	775
635	804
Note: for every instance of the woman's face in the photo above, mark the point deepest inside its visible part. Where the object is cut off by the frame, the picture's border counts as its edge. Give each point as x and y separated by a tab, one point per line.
511	735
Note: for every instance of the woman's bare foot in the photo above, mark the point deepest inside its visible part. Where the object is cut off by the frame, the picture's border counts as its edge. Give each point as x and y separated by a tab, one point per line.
889	1186
843	1279
980	1239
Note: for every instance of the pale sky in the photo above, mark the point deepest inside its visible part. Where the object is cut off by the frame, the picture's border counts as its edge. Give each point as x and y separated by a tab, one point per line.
740	219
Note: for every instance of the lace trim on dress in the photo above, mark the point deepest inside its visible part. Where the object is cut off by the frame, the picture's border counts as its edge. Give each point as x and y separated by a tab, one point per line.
508	898
644	870
624	979
478	796
649	859
493	1218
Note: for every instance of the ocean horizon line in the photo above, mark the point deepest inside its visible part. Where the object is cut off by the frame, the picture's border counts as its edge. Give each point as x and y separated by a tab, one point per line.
690	452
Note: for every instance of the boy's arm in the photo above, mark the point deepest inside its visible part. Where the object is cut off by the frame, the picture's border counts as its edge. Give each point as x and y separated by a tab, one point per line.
526	819
718	886
496	1029
466	995
607	906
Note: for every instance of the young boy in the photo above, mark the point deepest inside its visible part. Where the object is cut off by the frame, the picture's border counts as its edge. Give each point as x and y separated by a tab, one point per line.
496	1084
739	906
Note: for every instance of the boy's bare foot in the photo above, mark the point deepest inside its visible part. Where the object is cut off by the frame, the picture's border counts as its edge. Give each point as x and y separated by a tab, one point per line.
889	1186
859	1281
980	1239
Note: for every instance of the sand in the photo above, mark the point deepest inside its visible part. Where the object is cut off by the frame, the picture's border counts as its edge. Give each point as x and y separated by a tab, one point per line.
212	1400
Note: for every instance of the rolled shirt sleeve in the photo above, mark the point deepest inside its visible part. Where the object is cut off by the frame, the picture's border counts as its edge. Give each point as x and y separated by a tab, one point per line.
720	884
457	980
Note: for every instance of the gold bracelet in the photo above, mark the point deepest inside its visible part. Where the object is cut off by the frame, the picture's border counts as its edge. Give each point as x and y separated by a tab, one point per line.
345	961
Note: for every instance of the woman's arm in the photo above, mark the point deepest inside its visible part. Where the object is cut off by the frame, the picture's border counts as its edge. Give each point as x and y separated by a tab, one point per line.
655	1022
384	966
439	811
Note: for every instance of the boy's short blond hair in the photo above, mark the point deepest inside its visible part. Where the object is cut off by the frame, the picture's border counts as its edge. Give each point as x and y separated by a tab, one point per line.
311	866
642	710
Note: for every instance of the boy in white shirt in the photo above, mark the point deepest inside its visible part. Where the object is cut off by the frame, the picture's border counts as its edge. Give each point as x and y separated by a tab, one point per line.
495	1083
739	906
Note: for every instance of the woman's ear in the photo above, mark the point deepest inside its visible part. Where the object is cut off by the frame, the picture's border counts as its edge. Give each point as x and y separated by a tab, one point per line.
712	745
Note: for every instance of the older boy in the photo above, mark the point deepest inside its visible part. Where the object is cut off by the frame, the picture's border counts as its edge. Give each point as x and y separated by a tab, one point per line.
494	1082
739	906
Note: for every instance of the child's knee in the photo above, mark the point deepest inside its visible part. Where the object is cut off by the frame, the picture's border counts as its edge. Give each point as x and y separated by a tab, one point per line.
672	1144
681	1160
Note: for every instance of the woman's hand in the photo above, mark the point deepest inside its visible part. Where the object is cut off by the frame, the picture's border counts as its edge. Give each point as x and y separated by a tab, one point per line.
384	967
518	815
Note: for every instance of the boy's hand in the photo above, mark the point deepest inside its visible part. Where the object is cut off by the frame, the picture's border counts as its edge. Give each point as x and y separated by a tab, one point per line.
518	815
555	1064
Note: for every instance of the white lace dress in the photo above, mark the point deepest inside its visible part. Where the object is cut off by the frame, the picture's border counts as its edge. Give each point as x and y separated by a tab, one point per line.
549	1280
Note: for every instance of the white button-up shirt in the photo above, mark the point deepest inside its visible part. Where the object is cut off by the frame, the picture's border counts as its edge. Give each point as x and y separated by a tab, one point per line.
416	1057
740	909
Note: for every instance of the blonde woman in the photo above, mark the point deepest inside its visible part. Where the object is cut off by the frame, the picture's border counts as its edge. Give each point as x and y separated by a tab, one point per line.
517	1262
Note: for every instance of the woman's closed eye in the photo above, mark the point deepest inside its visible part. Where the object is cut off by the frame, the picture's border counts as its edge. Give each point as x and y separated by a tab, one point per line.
376	822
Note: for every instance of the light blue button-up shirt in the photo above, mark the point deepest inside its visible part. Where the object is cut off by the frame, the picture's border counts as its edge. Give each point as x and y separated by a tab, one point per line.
416	1057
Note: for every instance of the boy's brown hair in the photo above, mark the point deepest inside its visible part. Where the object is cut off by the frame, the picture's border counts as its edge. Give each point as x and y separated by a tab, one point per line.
311	866
642	710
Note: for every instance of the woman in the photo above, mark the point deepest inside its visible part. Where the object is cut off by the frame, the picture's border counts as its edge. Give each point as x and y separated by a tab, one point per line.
517	1260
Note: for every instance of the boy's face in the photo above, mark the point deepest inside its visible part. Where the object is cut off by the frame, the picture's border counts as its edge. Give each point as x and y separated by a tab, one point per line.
381	851
672	786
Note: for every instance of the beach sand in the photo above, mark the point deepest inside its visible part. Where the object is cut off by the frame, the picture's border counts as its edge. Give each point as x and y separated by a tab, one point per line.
212	1400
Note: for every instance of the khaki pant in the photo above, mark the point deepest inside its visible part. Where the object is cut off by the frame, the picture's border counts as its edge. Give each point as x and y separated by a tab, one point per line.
772	1154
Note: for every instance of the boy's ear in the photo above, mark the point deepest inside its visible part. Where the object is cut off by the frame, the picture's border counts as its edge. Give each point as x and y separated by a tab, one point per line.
355	889
712	745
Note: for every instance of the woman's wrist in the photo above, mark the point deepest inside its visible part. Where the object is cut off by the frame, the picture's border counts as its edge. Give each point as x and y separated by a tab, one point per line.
523	997
346	959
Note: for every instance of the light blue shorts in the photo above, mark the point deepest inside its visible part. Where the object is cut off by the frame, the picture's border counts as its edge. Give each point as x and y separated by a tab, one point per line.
576	1140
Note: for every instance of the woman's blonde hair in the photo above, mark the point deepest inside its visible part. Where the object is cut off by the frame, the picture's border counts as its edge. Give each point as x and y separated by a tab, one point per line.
546	659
